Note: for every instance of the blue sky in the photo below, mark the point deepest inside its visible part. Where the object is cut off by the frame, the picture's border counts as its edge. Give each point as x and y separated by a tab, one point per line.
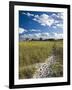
43	25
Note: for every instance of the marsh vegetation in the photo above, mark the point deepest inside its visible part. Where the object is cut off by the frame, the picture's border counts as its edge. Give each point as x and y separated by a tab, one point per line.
34	52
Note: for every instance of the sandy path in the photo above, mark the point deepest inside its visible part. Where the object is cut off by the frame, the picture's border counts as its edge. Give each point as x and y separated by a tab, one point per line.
43	69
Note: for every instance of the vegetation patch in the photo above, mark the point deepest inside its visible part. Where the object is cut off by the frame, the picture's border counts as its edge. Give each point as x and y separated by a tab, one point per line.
33	52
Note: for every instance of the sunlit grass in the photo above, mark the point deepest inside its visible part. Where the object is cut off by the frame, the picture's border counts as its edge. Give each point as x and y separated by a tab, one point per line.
32	52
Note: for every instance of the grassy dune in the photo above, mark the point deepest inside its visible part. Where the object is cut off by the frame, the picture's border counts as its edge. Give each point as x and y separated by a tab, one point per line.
32	52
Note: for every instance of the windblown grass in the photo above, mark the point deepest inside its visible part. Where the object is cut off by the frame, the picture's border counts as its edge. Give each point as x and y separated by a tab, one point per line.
32	52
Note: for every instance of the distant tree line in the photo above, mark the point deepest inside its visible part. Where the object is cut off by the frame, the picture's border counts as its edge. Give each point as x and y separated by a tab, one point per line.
40	39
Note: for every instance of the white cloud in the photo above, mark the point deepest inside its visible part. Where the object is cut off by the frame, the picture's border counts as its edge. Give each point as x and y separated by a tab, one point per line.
59	15
36	36
24	13
27	36
31	36
42	35
36	16
58	35
59	25
48	20
54	15
44	19
45	34
34	30
58	20
54	26
28	14
21	30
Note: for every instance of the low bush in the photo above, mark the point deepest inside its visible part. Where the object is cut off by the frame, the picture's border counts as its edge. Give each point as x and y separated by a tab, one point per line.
57	70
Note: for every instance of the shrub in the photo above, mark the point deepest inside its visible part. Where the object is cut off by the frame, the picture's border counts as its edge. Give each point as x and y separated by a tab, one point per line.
57	70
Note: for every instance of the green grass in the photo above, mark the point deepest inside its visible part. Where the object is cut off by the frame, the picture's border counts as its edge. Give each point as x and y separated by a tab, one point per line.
26	72
32	52
57	69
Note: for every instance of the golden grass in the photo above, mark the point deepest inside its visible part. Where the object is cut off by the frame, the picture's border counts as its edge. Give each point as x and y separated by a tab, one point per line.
32	52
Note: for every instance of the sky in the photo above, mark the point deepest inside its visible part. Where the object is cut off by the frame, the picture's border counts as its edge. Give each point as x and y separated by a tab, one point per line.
45	25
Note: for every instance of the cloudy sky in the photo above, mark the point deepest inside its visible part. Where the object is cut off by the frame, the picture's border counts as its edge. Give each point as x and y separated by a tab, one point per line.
43	25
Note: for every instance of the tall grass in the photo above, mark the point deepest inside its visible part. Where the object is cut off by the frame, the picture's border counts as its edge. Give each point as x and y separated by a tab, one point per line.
32	52
57	67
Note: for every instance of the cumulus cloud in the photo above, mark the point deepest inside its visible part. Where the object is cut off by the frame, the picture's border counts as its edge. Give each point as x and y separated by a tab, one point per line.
54	15
44	35
28	14
60	25
44	19
55	20
59	15
36	36
34	30
24	13
58	20
58	35
54	26
21	30
48	20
